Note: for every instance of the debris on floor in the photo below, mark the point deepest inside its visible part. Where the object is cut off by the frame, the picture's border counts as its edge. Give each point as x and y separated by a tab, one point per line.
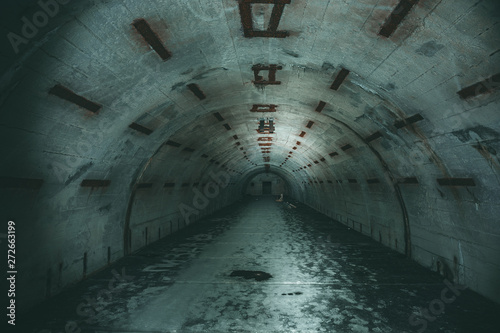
292	294
257	275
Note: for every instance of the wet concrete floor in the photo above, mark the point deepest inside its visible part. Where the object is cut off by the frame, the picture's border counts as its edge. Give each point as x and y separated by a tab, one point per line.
258	266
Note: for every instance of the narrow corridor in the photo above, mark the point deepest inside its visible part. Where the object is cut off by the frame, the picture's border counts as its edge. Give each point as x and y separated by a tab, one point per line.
259	266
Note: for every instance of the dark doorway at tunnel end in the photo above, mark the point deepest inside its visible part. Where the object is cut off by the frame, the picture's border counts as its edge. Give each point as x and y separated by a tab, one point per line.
267	188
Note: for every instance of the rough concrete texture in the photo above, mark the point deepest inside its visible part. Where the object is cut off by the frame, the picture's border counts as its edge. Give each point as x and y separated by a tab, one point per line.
311	275
186	120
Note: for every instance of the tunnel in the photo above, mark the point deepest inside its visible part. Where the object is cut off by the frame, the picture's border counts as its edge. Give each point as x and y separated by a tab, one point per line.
134	130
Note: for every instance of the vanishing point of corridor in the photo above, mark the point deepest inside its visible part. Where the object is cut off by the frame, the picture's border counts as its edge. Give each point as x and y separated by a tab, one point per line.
261	266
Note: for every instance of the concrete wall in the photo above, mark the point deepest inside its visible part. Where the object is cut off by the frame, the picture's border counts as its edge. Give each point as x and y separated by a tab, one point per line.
165	201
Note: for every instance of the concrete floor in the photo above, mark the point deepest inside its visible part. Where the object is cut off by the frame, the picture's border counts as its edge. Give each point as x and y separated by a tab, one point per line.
325	278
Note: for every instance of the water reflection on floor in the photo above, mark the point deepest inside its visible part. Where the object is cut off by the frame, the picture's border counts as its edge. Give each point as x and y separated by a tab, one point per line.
296	271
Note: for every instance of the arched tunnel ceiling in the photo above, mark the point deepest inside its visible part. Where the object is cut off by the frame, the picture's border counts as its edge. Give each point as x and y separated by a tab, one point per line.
420	68
128	93
101	56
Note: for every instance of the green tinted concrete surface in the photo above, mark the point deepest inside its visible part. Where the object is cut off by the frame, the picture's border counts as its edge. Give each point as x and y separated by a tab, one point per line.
324	278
